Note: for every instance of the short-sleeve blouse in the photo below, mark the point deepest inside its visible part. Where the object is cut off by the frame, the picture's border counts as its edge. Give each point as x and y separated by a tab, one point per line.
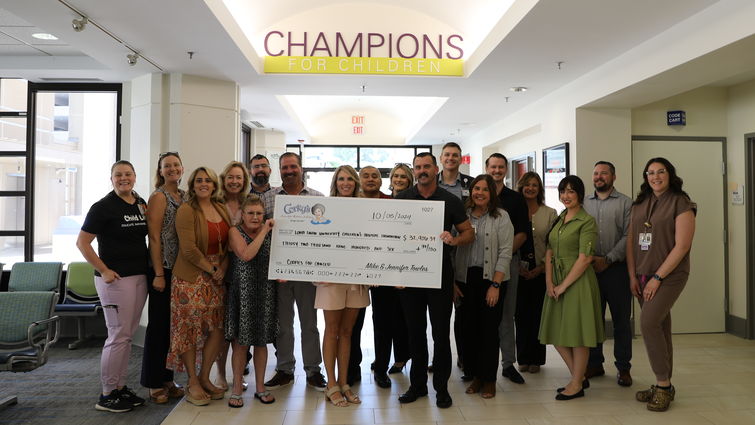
657	216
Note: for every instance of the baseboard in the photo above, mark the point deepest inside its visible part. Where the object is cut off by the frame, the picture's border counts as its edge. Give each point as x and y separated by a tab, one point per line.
736	326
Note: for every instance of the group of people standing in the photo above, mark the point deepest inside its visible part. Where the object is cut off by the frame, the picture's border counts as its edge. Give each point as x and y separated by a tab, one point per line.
518	275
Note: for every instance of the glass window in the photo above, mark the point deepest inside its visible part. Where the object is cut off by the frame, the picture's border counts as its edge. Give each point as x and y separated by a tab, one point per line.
319	180
385	157
12	213
11	250
72	167
12	133
328	157
13	173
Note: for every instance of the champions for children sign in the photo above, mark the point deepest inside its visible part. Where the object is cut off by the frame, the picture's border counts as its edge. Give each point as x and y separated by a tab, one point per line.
357	240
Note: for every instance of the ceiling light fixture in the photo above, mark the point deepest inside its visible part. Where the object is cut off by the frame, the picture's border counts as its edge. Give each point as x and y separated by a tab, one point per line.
44	36
519	89
131	58
79	24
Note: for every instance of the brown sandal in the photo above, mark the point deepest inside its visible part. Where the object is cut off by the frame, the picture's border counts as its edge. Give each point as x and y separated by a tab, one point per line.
336	401
474	387
488	390
158	395
353	399
175	391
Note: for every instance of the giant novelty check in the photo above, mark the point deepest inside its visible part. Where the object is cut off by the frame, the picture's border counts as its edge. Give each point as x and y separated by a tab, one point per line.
357	240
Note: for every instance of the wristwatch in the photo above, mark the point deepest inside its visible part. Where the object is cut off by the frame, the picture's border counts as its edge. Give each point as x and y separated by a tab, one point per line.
495	285
657	277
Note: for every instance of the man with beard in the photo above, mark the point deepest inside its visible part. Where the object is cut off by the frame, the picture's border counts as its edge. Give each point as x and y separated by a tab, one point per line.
290	292
417	301
513	202
611	211
259	169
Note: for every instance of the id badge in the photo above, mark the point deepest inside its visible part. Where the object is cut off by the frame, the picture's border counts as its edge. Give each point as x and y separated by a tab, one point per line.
465	192
646	239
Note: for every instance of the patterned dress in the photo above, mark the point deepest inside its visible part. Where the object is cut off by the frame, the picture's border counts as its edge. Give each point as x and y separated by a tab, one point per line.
252	307
196	308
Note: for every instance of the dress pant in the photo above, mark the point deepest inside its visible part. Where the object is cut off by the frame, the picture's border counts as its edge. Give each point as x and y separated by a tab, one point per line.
480	335
157	337
389	328
416	303
529	307
355	357
615	291
506	331
303	294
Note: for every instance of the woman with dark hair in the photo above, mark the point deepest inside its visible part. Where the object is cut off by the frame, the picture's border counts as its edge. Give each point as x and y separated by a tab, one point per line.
234	186
661	229
198	294
571	318
251	318
121	264
400	178
163	249
482	270
531	288
340	304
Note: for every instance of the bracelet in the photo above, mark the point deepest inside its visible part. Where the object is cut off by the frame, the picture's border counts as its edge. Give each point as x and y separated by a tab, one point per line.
657	277
495	285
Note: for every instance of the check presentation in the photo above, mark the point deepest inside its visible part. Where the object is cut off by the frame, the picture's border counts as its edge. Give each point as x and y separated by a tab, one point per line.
357	240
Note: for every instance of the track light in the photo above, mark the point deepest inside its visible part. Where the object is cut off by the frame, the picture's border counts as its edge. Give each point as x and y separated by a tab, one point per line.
79	24
132	58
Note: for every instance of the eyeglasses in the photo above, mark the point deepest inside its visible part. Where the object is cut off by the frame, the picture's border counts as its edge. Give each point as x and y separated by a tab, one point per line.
260	166
164	154
659	172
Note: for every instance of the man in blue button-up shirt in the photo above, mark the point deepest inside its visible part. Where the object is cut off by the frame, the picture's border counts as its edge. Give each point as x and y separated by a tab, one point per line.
611	211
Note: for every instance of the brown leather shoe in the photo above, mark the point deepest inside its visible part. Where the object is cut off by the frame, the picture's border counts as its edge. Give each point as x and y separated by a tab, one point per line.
593	371
623	378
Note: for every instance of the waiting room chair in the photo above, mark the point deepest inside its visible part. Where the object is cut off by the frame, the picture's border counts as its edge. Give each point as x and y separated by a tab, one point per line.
27	331
81	300
40	276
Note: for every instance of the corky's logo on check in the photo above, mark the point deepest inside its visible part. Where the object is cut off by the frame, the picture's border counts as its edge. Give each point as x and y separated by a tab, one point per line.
316	212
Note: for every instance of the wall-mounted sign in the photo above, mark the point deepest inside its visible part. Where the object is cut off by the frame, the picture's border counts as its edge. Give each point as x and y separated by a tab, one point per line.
364	53
676	118
357	125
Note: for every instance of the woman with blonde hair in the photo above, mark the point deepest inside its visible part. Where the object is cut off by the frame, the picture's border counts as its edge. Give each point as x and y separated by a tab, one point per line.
400	178
198	292
340	304
234	187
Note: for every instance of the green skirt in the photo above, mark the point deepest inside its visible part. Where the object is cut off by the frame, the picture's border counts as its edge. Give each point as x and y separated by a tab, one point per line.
574	320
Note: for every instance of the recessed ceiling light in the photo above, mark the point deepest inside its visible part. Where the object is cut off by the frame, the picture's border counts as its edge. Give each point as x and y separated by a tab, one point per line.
44	36
518	89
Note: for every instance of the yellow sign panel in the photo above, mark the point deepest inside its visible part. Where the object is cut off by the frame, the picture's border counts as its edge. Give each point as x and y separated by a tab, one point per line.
360	65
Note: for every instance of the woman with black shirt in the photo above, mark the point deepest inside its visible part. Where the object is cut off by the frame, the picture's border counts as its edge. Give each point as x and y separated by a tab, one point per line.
119	223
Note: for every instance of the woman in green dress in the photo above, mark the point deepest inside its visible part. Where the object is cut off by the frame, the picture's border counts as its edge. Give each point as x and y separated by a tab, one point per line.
571	313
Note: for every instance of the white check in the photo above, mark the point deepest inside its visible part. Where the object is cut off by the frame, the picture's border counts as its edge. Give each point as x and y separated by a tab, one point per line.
357	240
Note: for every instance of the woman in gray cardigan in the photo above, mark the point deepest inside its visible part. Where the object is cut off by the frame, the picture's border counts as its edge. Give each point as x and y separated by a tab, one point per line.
482	270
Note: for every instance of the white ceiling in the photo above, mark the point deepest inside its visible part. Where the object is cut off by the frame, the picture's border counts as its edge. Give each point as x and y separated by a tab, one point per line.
582	33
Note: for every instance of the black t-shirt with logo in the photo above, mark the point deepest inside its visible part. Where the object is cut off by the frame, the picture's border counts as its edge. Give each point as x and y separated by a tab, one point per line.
121	230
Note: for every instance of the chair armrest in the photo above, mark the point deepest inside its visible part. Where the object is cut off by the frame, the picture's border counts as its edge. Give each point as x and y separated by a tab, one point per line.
52	334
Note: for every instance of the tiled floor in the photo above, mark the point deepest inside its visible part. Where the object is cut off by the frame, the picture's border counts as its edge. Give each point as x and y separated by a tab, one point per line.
714	376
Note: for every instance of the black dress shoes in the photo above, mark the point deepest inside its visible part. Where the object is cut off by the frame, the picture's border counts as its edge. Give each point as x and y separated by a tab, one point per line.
382	381
593	371
411	395
511	373
562	396
443	400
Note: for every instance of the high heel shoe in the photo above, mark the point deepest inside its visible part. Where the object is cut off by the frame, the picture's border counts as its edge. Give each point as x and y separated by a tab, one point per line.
396	368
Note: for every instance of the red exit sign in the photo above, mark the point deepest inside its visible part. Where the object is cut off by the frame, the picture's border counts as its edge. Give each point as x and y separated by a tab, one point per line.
357	124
